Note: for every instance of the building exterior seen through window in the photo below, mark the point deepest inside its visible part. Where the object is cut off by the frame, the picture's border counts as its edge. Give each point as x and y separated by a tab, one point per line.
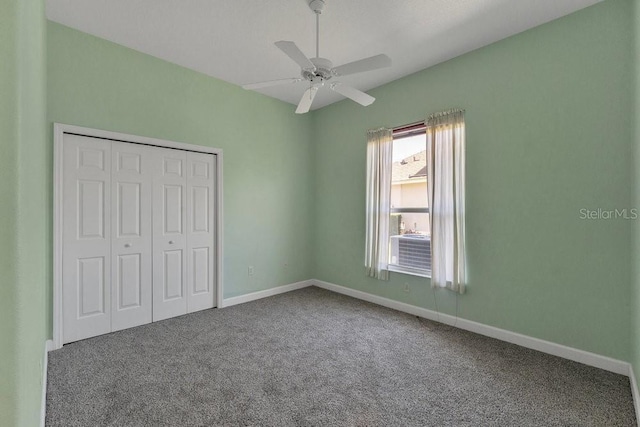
409	242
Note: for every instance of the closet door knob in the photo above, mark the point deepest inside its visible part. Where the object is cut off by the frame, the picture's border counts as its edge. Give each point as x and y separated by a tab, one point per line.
127	245
171	242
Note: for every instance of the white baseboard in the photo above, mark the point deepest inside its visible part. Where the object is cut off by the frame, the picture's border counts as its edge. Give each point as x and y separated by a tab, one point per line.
48	346
228	302
634	391
581	356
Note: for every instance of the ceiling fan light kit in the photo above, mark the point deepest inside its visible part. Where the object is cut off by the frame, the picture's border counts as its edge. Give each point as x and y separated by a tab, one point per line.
317	71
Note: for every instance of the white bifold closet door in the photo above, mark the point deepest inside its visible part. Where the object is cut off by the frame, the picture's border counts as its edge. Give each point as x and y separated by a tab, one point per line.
169	227
131	237
183	250
138	235
86	258
200	222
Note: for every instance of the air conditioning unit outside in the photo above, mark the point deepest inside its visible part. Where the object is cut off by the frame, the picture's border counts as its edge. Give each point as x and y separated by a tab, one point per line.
411	250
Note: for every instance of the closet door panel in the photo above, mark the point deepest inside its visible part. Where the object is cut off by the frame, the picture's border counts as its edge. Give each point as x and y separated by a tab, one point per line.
169	233
200	231
86	259
131	249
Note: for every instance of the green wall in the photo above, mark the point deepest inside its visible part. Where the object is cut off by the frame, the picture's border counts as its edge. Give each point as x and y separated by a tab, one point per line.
267	152
23	198
8	207
548	133
635	284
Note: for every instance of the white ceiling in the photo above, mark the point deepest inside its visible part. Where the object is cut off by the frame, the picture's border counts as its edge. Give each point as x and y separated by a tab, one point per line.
233	39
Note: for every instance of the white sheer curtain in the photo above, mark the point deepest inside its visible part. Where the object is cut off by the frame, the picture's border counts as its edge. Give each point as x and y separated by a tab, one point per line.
379	160
445	189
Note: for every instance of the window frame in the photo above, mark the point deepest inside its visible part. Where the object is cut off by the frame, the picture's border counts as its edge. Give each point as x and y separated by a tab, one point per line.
401	132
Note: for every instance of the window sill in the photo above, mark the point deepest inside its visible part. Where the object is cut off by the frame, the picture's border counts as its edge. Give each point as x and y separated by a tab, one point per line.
410	271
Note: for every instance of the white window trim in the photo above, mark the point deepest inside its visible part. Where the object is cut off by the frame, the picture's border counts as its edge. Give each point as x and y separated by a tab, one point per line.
410	271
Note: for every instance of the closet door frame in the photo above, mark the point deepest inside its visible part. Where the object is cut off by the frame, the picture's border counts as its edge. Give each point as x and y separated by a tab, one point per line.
59	130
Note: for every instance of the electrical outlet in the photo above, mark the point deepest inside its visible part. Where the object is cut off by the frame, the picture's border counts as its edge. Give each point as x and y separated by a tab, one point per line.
286	266
407	289
250	270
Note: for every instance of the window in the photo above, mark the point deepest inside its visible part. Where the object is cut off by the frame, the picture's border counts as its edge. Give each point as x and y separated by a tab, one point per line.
416	175
409	235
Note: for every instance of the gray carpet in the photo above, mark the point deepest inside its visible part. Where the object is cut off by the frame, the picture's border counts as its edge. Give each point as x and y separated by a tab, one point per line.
315	358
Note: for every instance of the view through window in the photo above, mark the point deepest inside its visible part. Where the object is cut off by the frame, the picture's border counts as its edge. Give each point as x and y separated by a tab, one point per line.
409	242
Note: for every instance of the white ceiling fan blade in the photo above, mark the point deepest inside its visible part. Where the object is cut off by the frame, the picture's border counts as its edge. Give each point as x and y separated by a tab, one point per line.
306	100
252	86
362	65
292	51
353	94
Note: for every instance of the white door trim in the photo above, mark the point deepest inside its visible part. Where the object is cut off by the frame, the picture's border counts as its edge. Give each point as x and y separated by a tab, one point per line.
59	130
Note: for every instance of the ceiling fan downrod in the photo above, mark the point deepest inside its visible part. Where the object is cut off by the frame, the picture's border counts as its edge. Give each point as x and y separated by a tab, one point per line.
317	6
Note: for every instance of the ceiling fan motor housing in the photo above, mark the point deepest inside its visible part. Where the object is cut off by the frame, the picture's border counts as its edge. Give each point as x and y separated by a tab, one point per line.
322	72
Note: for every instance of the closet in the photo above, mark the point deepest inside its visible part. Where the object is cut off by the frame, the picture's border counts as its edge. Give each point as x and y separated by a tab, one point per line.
138	234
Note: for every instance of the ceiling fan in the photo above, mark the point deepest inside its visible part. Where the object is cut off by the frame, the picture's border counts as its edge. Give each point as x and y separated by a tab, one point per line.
318	71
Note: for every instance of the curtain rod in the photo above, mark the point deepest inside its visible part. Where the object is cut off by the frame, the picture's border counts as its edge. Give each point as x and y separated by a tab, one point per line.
419	126
408	129
445	113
